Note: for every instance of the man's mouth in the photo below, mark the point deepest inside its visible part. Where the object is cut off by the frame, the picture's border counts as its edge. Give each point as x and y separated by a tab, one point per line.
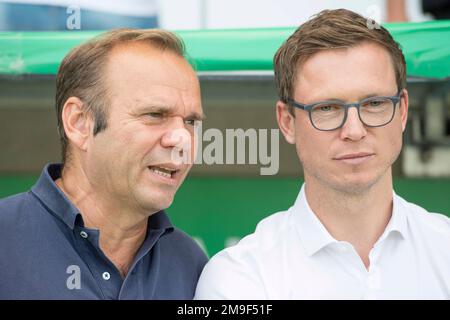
354	155
354	158
164	171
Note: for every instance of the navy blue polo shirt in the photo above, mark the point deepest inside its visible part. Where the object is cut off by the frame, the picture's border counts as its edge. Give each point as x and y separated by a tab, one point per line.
47	253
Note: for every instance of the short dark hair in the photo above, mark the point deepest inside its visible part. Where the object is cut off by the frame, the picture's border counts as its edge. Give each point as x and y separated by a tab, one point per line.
81	72
331	29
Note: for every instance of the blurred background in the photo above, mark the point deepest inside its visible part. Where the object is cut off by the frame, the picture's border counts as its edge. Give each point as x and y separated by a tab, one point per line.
231	44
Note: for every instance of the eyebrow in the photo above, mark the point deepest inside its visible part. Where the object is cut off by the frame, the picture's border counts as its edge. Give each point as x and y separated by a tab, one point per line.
371	95
196	116
169	111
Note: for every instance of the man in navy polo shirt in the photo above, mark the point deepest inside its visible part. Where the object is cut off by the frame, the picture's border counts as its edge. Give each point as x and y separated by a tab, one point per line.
94	227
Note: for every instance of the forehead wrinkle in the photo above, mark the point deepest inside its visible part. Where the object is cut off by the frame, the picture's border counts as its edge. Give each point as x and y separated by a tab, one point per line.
155	107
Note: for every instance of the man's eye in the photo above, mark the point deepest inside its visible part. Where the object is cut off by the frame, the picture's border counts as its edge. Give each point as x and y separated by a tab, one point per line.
190	122
155	114
375	103
328	108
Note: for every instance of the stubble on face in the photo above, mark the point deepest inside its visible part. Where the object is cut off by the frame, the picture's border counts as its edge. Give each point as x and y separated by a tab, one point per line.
347	75
134	140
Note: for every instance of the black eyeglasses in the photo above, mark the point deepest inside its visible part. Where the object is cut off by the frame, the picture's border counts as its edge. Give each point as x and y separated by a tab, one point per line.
331	115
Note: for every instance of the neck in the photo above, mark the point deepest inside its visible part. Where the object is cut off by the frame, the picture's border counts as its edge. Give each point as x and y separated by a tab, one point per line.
122	230
358	218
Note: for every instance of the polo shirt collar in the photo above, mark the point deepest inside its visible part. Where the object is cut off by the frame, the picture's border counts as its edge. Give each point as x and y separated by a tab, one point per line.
160	221
398	222
51	196
314	236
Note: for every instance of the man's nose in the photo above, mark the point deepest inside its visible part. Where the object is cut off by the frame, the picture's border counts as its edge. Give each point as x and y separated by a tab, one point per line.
176	134
353	129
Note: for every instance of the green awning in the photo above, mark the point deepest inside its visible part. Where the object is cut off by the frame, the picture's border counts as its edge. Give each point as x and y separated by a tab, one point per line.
426	46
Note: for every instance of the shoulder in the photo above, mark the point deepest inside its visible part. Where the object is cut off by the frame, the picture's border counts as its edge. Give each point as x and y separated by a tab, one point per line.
427	223
21	219
235	272
185	247
13	208
268	233
14	200
181	261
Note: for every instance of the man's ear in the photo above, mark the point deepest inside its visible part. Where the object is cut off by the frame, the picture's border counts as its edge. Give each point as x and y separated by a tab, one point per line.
286	122
404	105
77	123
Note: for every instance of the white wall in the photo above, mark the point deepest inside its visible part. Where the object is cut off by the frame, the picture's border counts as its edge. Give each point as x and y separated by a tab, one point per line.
196	14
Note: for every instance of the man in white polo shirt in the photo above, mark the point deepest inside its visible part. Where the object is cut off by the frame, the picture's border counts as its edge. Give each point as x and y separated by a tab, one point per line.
344	104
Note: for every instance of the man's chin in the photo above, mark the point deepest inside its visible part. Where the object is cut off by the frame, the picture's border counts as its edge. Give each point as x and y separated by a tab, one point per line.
155	201
355	185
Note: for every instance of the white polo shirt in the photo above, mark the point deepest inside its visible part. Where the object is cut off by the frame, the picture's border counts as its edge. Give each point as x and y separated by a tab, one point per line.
292	256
